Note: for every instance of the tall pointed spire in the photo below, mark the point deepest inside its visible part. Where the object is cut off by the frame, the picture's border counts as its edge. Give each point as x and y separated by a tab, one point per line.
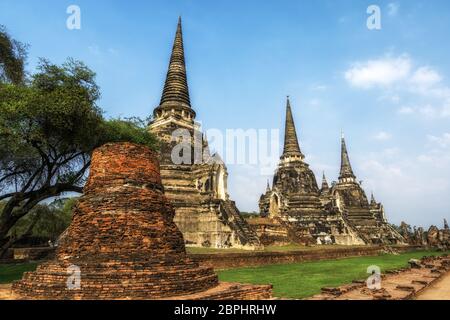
268	186
291	146
346	174
372	199
176	89
325	185
206	150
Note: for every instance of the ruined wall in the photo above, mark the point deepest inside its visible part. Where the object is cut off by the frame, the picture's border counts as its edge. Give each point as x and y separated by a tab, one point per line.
235	260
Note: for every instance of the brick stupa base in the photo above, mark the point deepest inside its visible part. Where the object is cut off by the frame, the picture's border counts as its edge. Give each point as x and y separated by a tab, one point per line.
124	241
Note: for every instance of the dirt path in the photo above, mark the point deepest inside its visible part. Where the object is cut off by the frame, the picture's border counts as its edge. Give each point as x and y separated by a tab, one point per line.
429	281
440	290
5	292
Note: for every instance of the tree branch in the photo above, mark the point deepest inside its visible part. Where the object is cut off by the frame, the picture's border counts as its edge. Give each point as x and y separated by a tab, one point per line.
8	195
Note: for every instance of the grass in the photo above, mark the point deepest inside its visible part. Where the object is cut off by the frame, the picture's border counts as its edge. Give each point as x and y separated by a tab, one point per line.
302	280
295	281
11	272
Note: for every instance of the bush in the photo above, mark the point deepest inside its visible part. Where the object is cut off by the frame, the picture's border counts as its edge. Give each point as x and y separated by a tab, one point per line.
129	130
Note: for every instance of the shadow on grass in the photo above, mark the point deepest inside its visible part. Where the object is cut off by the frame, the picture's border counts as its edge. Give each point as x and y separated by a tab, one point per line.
11	272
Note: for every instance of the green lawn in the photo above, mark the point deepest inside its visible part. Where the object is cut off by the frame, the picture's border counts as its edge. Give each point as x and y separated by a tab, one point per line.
11	272
296	281
301	280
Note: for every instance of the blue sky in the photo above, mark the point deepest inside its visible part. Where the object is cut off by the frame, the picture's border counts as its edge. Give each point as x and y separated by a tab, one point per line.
388	89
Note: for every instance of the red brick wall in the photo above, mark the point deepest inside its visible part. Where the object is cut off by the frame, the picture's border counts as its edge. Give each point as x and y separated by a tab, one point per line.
235	260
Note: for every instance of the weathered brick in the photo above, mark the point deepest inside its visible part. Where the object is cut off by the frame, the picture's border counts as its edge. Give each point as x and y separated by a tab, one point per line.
124	240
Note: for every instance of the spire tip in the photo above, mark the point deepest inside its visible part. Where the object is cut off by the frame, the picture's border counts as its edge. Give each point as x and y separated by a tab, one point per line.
291	145
176	87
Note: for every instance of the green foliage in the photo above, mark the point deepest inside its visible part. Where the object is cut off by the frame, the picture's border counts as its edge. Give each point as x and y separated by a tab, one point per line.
253	214
48	130
56	117
49	220
129	130
301	280
58	109
51	124
12	58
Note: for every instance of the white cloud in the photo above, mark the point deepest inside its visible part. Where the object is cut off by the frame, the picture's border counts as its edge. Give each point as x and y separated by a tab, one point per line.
380	72
382	136
429	111
393	8
425	158
406	110
425	77
446	110
401	181
246	185
442	141
401	80
390	97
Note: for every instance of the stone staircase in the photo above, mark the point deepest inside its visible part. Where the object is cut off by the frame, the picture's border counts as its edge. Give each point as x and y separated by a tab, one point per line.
369	229
353	230
246	234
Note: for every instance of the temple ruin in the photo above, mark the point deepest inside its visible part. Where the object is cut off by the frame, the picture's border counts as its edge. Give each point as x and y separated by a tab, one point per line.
295	202
196	186
338	214
122	242
368	219
434	237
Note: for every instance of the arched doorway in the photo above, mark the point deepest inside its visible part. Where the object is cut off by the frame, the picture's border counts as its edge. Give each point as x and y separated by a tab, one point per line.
206	186
220	180
274	208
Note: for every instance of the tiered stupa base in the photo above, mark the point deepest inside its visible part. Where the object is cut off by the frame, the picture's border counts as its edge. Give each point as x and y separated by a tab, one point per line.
137	279
134	280
124	242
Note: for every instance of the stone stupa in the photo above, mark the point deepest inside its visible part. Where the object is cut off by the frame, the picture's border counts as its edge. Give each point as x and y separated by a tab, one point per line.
123	241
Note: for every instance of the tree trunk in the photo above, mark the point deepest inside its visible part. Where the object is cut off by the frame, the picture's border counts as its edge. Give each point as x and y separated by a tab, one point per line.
21	204
12	239
5	246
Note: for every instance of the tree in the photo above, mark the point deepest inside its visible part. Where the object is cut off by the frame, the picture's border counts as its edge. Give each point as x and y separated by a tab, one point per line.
12	58
43	223
48	130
